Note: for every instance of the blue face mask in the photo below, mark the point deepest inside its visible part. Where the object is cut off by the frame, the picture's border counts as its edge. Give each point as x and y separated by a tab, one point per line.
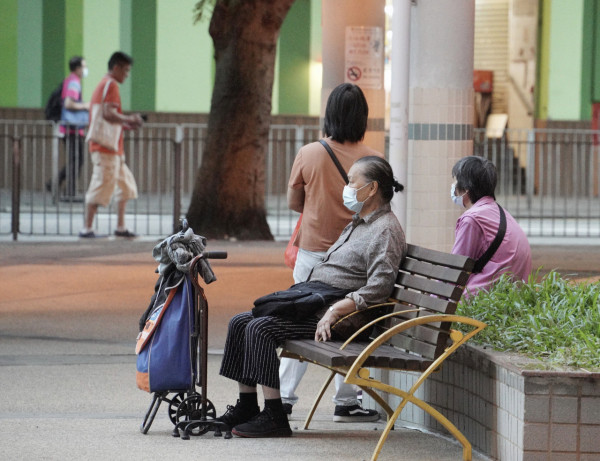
457	199
350	200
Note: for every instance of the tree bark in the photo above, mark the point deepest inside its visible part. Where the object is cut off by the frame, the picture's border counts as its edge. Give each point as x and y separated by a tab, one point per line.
229	193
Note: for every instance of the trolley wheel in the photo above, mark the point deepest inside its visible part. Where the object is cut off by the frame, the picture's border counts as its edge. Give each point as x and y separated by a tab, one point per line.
174	404
191	410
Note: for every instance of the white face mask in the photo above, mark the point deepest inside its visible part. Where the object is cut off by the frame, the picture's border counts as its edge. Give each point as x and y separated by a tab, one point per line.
350	200
84	74
457	199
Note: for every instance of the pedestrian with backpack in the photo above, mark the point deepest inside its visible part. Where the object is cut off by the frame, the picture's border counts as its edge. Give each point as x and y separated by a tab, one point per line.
74	116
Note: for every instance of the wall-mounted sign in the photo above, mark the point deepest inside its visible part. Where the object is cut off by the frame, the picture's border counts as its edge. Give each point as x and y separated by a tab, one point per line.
364	56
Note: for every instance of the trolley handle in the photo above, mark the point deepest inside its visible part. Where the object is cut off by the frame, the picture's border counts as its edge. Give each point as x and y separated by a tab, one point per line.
214	255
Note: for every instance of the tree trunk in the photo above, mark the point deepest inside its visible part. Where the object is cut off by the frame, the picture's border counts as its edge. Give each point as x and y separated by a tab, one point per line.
229	192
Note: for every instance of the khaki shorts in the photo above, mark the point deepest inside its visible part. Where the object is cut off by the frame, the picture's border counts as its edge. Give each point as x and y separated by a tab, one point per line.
110	176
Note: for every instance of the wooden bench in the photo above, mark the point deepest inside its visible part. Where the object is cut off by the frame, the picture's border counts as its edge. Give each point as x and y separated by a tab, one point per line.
414	335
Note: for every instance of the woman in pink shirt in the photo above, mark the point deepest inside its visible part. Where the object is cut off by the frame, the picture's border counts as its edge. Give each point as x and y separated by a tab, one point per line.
475	183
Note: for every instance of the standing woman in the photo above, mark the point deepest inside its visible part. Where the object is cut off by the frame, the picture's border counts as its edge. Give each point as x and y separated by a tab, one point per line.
477	228
315	190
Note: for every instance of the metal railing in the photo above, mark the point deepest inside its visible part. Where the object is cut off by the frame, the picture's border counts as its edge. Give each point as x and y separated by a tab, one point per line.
164	159
548	179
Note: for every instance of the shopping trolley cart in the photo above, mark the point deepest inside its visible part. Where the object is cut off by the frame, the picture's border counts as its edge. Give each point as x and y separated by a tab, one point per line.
185	308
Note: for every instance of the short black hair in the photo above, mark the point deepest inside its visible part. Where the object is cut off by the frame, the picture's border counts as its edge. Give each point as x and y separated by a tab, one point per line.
346	114
119	58
75	62
377	169
477	176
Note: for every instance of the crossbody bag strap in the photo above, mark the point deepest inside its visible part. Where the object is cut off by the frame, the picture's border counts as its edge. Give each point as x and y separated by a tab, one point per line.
335	160
481	262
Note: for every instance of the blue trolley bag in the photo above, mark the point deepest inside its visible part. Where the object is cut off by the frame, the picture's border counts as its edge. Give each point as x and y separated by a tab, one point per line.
164	362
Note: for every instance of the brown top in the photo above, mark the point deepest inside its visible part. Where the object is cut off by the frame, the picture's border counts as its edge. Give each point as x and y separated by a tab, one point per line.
324	216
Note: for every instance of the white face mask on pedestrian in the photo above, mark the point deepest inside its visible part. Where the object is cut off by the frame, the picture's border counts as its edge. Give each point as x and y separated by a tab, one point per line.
350	200
457	199
85	72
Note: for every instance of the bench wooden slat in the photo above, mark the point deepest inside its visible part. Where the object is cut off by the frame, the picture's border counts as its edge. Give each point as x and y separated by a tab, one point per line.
327	353
429	270
410	299
415	344
330	355
433	287
441	258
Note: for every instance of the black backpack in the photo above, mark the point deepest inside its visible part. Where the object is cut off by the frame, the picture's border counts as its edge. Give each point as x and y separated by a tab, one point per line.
54	105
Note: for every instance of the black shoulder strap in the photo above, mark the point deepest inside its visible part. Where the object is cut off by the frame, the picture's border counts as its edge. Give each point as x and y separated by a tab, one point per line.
481	262
335	160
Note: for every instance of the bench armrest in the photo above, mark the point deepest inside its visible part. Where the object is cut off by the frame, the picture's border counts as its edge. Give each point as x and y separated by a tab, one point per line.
456	336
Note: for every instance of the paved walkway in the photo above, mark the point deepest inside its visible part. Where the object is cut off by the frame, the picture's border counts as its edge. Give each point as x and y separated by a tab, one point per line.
68	320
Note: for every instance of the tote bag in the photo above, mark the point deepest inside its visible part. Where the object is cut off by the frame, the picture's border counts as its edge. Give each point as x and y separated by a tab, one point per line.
164	357
101	131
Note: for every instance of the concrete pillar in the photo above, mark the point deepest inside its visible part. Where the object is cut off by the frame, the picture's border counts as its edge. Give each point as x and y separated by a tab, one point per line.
440	127
353	51
399	102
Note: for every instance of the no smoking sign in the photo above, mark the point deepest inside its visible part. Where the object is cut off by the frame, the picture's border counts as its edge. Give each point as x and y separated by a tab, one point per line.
364	56
353	73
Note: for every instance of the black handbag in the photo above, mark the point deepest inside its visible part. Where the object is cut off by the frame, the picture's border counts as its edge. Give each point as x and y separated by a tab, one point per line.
299	301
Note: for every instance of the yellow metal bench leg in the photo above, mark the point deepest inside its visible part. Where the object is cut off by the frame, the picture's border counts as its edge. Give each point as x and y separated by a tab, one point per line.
384	436
440	418
318	399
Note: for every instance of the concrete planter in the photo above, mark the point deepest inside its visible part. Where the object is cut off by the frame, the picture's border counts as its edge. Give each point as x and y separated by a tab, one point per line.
508	408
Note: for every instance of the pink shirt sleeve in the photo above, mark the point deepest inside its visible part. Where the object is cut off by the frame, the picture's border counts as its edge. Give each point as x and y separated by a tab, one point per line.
469	237
73	91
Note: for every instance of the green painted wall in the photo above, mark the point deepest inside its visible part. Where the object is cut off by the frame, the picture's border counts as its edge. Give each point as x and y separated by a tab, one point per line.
29	72
125	45
294	59
595	73
143	45
174	64
73	31
587	60
8	53
184	59
53	45
564	85
101	38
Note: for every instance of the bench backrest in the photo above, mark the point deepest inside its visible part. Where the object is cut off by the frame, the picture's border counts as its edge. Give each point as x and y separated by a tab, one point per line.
434	281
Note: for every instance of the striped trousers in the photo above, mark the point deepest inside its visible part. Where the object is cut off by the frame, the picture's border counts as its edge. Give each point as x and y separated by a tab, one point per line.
250	355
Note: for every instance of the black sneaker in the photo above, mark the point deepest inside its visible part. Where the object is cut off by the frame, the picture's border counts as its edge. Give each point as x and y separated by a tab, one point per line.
125	233
287	408
87	235
265	424
354	414
238	414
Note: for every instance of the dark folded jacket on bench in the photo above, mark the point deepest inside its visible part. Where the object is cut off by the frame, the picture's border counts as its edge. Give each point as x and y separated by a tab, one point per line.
299	301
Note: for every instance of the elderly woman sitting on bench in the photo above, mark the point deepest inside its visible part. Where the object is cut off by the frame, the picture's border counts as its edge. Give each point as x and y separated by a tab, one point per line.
363	263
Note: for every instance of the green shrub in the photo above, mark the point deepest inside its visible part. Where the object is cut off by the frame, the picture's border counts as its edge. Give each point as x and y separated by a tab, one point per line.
555	319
